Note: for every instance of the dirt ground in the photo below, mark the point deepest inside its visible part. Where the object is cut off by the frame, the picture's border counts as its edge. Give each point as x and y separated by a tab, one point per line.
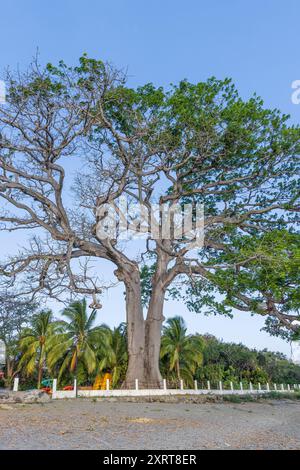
87	424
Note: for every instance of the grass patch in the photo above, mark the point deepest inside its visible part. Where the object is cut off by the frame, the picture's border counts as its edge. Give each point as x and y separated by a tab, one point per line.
273	395
239	398
279	396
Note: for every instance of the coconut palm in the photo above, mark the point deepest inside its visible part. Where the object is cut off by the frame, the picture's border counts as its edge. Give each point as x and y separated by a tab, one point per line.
35	342
112	352
76	340
182	353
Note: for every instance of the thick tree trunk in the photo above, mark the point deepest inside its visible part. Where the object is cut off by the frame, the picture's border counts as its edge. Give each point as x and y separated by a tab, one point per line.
135	333
143	336
155	318
153	329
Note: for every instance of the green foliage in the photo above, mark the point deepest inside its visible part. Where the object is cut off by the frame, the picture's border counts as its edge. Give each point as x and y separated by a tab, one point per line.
259	273
243	165
266	269
111	350
77	347
15	315
35	343
75	341
182	353
237	363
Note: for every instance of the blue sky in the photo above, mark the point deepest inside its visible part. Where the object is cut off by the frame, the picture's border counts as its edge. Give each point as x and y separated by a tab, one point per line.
255	42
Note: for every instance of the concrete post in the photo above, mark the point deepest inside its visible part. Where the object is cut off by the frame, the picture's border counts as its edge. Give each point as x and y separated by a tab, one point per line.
275	386
54	388
196	385
165	384
231	386
268	387
181	384
250	387
16	384
220	386
288	387
136	384
282	387
208	385
75	388
107	384
259	386
241	386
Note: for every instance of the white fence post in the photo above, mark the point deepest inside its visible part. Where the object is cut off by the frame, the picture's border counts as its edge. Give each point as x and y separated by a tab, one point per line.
54	387
208	385
268	387
288	387
220	386
136	384
165	384
181	384
107	384
196	385
75	388
282	387
241	386
250	387
259	386
275	386
231	386
16	384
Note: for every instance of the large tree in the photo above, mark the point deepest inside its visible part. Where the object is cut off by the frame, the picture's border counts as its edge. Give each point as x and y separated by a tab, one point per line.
192	143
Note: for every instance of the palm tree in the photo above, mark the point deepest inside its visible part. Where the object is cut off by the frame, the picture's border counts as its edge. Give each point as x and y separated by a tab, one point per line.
76	339
182	352
112	352
34	343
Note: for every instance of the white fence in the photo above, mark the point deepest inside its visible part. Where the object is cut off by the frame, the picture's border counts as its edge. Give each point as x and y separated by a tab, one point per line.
137	392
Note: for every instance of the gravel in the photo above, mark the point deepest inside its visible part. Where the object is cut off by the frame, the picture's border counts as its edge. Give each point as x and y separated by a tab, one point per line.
88	424
31	396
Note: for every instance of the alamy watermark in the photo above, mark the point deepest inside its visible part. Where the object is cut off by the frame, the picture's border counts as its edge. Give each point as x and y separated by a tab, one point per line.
2	92
123	221
295	97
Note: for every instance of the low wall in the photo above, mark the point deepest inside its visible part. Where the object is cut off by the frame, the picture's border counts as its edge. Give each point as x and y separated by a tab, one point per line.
59	394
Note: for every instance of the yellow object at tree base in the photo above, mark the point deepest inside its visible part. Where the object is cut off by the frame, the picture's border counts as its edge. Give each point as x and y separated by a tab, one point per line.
100	381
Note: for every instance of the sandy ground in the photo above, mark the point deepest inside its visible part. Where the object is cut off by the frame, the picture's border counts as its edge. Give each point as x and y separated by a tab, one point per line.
85	424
